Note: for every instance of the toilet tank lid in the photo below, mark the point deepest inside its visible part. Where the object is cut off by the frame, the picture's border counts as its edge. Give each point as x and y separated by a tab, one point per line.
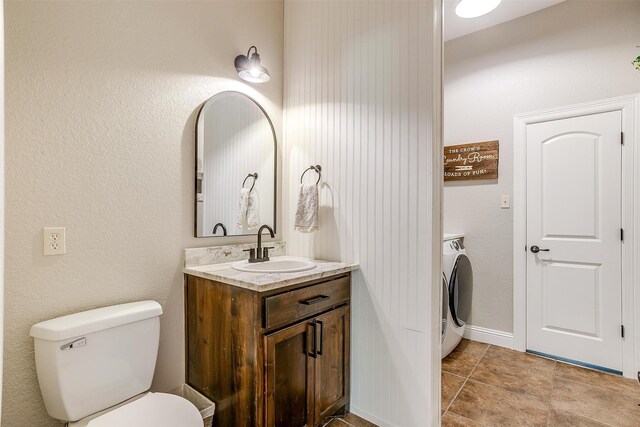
86	322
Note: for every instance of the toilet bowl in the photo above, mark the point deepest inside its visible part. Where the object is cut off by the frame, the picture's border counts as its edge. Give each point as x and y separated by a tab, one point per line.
95	369
150	409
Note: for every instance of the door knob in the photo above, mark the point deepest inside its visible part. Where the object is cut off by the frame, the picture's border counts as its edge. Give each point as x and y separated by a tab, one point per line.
536	249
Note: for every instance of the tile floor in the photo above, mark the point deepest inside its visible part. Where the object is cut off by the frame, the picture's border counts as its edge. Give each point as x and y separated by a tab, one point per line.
349	420
485	385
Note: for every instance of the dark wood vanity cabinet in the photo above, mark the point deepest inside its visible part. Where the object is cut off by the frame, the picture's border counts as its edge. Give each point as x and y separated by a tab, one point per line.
276	358
307	370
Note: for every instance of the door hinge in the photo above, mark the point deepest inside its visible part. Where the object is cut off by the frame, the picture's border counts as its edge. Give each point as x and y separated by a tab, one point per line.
622	234
621	138
622	331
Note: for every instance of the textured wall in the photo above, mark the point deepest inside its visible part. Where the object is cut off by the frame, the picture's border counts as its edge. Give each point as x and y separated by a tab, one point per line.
573	52
362	104
101	106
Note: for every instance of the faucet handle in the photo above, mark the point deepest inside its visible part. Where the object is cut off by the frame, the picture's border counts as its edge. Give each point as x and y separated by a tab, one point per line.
265	253
252	253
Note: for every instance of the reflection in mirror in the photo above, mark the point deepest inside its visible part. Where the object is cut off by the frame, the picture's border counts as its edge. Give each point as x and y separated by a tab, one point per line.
235	167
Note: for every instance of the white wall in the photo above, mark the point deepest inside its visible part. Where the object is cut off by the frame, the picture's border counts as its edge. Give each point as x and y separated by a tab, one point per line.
101	104
573	52
361	99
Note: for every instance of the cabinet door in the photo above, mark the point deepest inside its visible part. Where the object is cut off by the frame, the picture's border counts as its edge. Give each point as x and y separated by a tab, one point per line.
289	376
332	363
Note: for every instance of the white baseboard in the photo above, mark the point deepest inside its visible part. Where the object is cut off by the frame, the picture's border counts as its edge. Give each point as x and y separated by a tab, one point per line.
372	419
489	336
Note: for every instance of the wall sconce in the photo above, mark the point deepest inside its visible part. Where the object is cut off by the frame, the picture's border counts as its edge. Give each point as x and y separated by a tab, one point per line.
249	67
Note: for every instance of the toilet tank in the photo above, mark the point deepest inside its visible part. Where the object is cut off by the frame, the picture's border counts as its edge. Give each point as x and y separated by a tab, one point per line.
89	361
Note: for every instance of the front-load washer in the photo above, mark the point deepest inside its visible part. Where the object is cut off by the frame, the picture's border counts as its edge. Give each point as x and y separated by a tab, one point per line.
457	291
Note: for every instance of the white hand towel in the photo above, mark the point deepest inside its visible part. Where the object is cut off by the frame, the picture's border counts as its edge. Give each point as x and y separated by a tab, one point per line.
243	206
253	211
306	220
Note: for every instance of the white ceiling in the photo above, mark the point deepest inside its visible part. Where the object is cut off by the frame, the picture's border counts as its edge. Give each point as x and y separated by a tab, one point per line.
455	27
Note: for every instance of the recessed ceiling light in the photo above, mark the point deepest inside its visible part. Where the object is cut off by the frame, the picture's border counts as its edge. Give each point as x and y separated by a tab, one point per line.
475	8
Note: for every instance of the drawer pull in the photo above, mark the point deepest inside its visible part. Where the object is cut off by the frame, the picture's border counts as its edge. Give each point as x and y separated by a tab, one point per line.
315	300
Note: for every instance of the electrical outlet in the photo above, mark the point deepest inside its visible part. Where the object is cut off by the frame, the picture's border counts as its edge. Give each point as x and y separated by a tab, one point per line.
504	202
54	241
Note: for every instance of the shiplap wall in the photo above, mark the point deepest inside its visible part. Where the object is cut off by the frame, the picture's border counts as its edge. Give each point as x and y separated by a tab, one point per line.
361	98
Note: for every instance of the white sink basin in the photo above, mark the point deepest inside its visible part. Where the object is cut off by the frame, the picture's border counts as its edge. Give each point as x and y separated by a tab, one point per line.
275	265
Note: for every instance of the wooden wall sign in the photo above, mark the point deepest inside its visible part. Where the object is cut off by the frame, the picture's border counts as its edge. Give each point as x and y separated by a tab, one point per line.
471	161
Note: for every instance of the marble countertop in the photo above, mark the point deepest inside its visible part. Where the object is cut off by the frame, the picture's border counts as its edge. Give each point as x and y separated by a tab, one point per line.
262	282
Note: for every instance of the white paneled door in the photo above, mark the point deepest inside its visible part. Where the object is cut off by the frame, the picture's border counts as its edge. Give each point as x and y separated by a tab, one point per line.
574	259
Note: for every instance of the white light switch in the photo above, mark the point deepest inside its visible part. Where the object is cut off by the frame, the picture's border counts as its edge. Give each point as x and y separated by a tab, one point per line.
505	203
54	242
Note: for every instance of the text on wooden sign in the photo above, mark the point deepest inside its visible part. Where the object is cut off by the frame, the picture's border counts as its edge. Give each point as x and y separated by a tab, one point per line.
471	161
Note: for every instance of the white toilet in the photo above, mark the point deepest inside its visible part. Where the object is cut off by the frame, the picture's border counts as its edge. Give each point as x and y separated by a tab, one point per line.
95	369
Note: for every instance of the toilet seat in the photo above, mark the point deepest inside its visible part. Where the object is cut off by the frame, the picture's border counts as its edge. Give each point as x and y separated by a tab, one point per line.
150	410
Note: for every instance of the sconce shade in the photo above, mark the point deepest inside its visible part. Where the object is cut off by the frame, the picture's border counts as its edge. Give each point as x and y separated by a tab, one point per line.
250	69
475	8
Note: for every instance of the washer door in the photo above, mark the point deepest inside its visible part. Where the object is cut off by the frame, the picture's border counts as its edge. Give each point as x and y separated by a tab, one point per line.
445	307
461	290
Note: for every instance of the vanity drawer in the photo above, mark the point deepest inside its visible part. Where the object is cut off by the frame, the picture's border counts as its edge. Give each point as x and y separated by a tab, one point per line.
286	308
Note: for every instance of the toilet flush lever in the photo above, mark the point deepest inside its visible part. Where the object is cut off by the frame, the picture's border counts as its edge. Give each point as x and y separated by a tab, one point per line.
80	342
536	249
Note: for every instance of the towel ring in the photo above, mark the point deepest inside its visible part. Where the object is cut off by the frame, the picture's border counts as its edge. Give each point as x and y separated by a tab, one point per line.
316	168
255	178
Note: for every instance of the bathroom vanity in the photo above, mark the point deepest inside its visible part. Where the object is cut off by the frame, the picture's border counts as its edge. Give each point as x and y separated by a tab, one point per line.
269	349
267	341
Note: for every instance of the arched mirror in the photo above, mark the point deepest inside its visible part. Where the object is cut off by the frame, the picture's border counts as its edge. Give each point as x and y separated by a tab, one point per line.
235	167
